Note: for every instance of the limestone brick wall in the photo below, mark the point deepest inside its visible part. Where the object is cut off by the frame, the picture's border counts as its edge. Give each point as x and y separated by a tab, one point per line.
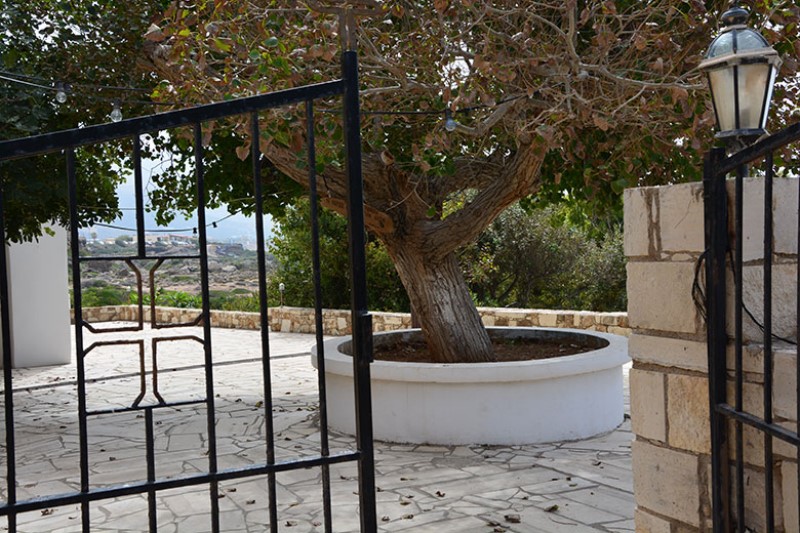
664	238
337	322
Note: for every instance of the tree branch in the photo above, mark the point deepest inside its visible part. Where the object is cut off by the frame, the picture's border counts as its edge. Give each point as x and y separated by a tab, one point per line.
520	178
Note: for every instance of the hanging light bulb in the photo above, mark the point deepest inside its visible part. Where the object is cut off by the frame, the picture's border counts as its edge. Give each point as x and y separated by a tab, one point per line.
450	123
61	92
116	113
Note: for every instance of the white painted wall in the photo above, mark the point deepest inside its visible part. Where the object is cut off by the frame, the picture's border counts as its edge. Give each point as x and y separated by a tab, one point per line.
508	403
39	300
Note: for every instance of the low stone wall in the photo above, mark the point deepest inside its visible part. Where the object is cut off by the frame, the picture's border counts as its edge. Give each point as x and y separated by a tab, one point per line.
664	238
337	321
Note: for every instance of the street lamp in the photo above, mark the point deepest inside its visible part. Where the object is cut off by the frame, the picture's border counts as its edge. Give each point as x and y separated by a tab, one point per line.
741	68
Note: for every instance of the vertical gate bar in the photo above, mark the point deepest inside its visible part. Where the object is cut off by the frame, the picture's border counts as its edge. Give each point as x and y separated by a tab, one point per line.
362	325
8	382
768	236
797	352
137	183
323	396
152	511
266	367
79	352
209	361
716	240
739	384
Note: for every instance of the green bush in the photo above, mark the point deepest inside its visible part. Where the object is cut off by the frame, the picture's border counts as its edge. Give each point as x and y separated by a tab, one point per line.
102	295
235	300
169	298
538	259
291	248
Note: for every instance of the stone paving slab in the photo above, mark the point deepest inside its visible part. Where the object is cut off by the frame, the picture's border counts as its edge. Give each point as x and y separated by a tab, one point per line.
582	486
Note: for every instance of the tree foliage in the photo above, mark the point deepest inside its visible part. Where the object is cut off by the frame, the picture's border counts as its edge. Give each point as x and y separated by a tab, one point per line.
553	97
83	44
291	247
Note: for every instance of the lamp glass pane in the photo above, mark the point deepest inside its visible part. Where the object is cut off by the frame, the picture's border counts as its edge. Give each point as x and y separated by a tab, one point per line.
753	80
721	81
721	46
748	39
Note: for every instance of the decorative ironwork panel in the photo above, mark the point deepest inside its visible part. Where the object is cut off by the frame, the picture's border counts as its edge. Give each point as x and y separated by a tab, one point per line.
142	347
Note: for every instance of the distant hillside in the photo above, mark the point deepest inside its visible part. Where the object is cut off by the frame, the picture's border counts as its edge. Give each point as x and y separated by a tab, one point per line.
231	266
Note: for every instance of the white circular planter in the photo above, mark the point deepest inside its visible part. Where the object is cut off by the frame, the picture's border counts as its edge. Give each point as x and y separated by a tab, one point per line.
523	402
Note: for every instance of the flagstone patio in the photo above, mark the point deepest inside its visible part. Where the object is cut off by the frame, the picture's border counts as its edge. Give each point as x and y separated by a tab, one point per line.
583	486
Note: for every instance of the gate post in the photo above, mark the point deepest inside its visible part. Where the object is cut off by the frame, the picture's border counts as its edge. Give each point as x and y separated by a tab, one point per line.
361	319
716	243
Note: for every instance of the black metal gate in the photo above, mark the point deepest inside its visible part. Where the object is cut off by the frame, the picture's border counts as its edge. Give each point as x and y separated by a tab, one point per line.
212	474
737	502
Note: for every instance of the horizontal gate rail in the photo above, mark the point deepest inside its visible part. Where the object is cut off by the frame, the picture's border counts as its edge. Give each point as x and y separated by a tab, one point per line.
190	480
52	142
758	150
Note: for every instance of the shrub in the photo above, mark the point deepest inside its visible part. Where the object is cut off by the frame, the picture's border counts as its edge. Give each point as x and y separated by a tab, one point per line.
539	259
102	295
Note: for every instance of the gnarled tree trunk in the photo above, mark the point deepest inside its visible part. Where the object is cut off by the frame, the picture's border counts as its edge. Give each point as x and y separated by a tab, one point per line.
441	301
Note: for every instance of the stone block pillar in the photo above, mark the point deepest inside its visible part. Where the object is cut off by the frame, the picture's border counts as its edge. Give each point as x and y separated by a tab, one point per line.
664	238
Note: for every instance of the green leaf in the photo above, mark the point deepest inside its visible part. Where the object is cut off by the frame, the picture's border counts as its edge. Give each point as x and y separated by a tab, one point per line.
619	185
271	42
222	45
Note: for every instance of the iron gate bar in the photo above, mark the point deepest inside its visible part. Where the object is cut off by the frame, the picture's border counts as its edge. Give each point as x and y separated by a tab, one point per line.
313	202
769	144
266	365
52	142
8	382
361	320
797	344
139	191
716	230
190	480
768	250
779	432
169	405
150	458
737	320
79	349
206	314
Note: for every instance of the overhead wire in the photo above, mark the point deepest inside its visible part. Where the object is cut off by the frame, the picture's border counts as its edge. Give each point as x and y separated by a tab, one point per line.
54	86
192	229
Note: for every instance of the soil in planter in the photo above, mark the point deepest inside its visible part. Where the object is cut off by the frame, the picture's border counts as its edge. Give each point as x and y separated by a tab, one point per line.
504	350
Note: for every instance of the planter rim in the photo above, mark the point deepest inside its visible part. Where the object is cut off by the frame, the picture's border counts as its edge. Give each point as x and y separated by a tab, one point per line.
613	355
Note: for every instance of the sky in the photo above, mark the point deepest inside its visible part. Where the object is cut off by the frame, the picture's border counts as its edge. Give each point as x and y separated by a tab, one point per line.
236	228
